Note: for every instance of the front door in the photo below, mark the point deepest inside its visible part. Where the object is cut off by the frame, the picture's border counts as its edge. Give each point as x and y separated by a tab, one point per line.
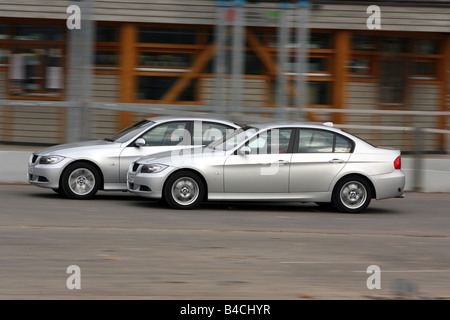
265	169
164	137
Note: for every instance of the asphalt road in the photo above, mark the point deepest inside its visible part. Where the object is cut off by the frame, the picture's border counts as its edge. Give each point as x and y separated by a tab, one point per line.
131	248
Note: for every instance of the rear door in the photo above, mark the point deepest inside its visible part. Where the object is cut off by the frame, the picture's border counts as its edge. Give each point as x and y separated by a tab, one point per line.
318	157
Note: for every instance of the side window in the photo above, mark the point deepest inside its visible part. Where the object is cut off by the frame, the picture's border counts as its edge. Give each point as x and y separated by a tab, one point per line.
168	134
312	141
342	144
210	132
271	142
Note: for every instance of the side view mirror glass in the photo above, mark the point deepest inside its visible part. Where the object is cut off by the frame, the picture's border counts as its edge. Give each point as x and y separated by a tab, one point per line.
140	142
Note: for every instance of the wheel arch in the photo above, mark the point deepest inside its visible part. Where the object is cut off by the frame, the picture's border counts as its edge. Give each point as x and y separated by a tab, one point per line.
96	166
196	172
366	178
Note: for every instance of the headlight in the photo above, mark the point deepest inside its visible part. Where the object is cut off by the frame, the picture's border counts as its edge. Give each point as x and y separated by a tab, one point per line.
50	159
153	168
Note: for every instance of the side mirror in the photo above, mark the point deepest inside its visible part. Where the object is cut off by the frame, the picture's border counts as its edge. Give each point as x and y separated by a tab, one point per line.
140	142
245	150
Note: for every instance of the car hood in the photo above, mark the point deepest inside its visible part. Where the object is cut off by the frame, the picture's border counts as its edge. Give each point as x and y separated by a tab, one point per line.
70	149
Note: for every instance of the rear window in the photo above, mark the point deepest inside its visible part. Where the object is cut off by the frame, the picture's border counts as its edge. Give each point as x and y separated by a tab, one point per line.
321	141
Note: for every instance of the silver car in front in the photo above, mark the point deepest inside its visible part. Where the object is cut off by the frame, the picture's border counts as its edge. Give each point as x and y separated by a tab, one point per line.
79	170
266	162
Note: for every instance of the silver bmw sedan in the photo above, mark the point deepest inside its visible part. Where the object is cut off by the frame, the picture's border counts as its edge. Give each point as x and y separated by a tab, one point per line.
266	162
79	170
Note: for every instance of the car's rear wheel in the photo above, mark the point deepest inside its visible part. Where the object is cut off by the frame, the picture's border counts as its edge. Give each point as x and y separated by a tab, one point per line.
184	190
352	194
80	181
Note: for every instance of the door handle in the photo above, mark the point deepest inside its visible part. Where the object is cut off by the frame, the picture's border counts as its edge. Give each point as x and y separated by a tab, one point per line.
336	161
282	162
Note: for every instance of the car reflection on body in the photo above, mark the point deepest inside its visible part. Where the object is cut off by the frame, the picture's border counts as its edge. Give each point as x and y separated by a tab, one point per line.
79	170
285	161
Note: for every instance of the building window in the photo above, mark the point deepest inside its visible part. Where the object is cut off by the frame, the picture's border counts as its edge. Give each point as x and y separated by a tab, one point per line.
154	88
364	42
4	32
106	58
107	47
167	35
36	72
425	68
320	41
164	59
107	33
426	46
34	58
38	32
361	65
4	56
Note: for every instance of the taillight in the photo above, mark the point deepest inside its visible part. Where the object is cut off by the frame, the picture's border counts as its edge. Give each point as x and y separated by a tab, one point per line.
398	163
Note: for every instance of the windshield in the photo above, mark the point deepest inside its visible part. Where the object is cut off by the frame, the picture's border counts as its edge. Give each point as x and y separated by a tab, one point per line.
234	139
129	132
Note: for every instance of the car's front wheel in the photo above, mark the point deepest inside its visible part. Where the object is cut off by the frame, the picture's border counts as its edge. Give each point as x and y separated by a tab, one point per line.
184	190
80	181
352	194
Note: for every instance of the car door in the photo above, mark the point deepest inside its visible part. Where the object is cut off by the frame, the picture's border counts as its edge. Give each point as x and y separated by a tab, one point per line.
163	137
265	169
318	157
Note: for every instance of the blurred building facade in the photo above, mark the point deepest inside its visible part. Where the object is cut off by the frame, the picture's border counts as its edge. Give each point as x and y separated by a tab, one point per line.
162	52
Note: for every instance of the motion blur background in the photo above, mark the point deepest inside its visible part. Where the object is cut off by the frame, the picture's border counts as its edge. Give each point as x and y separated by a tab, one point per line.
242	60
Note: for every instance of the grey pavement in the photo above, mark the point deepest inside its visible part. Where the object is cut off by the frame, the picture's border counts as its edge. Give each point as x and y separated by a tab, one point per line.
434	176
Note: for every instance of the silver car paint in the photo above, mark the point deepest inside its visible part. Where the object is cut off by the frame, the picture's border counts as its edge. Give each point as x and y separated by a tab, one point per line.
113	159
237	177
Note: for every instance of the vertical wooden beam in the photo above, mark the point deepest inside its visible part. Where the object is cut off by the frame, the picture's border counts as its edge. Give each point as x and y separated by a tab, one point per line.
128	37
444	73
342	47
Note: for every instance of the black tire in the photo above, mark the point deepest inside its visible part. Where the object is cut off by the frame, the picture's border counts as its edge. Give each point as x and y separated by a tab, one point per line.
184	190
80	180
325	205
59	191
352	194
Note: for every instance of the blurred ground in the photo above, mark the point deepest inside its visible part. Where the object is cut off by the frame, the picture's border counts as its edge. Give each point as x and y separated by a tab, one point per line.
131	248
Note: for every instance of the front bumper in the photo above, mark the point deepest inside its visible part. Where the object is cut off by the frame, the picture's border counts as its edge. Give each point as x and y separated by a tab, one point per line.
148	185
45	175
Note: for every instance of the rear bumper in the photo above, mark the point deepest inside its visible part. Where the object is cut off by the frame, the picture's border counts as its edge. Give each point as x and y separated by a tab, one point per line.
391	185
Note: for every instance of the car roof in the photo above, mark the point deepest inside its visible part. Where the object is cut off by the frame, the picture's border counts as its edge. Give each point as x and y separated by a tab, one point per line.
161	119
294	124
